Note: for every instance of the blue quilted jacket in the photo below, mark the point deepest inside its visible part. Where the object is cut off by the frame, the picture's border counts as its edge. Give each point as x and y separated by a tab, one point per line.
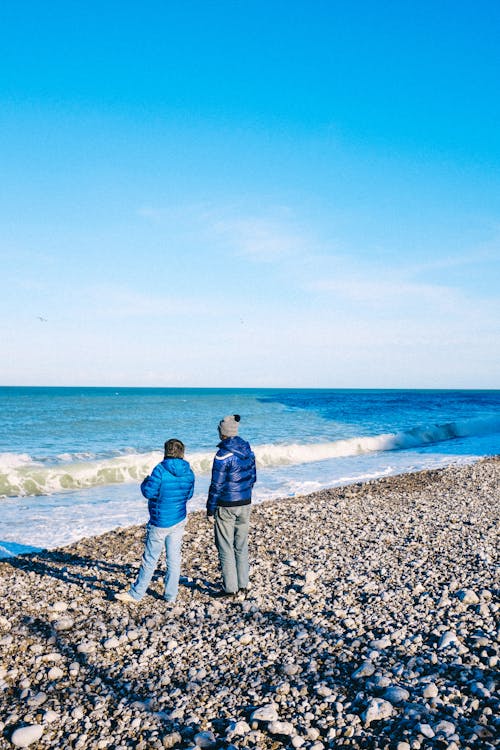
233	475
168	489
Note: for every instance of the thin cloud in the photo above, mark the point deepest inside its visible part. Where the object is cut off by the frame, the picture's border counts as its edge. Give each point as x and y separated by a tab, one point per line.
411	303
183	213
120	302
377	291
485	254
259	239
262	239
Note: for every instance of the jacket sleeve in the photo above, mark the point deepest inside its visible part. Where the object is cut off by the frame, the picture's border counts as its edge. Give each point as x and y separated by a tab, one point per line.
191	490
219	472
150	486
254	470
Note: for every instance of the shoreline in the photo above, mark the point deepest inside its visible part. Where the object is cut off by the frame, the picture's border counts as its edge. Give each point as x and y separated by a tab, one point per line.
370	623
70	510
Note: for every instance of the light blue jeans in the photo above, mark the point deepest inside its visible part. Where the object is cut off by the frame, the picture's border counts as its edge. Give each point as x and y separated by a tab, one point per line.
156	538
231	540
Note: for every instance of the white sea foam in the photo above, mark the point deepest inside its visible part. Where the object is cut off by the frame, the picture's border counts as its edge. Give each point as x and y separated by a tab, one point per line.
20	476
28	478
52	521
70	457
10	461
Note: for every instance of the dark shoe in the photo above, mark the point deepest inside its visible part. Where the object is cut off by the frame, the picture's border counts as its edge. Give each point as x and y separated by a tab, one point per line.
225	594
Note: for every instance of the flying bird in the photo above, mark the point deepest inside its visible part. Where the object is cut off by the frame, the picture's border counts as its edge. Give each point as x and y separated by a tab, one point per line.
42	320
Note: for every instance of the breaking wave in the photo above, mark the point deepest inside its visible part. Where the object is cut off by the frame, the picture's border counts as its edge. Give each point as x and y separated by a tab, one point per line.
22	476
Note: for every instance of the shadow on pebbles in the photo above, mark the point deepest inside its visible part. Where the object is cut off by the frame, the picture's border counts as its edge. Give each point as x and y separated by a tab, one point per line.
371	622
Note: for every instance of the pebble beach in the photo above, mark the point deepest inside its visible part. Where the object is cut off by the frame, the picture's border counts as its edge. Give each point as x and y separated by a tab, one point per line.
372	621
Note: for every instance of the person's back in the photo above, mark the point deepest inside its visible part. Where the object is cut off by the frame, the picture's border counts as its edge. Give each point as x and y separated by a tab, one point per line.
168	489
229	498
233	474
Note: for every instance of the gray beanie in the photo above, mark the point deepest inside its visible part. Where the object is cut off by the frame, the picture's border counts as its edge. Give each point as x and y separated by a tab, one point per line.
229	425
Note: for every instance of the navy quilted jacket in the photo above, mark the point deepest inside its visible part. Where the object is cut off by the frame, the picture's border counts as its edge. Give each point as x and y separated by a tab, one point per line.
233	475
168	489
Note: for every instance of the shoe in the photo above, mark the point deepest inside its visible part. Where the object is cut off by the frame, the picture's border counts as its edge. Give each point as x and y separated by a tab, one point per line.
124	596
221	594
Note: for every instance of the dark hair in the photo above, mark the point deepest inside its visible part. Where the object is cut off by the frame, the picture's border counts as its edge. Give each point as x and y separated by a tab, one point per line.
174	448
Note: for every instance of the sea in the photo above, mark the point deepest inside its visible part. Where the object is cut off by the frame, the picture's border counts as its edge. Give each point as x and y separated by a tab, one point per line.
72	459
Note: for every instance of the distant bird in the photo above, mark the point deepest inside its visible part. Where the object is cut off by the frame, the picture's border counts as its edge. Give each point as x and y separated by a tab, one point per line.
42	320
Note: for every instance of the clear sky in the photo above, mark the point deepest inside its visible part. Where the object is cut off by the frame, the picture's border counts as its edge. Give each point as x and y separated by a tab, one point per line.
234	193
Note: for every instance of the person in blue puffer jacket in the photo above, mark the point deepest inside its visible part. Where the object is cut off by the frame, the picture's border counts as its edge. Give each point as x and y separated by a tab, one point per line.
229	498
167	490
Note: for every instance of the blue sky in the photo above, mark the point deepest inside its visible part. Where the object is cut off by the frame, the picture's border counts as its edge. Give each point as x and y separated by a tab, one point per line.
250	194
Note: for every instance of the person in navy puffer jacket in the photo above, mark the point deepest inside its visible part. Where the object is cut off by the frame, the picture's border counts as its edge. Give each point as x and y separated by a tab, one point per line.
168	489
229	498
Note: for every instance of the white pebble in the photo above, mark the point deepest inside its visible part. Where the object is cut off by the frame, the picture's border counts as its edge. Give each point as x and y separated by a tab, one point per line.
65	623
4	623
265	713
365	670
38	699
86	647
238	729
281	727
323	690
112	642
430	691
312	733
204	739
55	673
380	643
25	736
444	727
426	730
53	656
50	716
377	709
468	596
447	639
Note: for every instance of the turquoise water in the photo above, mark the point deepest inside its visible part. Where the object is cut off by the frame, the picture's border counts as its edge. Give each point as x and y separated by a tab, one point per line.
71	458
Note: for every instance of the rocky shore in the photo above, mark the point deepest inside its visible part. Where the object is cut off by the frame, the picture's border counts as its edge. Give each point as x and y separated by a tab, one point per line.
372	622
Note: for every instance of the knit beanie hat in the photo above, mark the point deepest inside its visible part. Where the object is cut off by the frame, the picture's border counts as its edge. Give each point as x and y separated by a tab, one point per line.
229	425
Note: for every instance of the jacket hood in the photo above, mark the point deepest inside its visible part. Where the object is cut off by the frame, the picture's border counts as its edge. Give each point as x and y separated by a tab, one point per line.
176	466
236	445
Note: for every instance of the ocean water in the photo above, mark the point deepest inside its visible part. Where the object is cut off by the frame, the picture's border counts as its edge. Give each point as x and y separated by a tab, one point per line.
71	459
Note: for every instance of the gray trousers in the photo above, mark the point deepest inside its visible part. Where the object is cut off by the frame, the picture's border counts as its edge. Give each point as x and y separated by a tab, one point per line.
231	540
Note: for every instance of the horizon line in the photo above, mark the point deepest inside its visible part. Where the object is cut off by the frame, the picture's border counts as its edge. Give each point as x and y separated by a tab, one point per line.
261	388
